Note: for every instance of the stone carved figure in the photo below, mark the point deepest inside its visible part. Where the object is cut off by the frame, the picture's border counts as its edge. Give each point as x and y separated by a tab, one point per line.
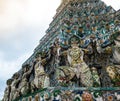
7	90
14	89
95	76
6	94
105	79
111	72
64	75
114	75
41	79
77	67
46	81
24	84
27	70
75	58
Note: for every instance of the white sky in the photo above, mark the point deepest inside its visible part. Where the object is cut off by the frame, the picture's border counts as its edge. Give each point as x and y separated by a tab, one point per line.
22	25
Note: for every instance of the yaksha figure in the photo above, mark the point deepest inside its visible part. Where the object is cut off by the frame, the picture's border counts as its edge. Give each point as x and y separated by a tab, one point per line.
14	89
24	84
7	90
41	78
75	58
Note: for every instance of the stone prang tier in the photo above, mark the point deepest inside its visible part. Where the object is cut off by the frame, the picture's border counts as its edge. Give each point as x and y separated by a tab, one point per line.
77	60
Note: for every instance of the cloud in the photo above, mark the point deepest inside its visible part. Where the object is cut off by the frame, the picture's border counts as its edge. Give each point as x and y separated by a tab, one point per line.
114	3
10	67
19	14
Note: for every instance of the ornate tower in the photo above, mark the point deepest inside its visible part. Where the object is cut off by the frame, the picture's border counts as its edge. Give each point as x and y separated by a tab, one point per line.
77	59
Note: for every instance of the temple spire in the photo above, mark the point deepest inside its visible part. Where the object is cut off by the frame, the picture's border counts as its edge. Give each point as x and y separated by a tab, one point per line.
64	1
62	5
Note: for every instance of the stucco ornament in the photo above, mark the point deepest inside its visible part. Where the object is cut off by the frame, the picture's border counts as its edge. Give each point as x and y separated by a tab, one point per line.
75	58
14	90
41	79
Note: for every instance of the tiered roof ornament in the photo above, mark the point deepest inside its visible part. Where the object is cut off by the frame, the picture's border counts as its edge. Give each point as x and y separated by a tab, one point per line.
78	59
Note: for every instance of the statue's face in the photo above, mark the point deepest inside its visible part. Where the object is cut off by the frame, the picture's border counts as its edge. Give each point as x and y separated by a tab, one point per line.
9	81
15	76
74	45
38	58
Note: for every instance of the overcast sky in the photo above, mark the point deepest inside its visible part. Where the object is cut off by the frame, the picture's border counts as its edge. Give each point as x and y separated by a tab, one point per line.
22	25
